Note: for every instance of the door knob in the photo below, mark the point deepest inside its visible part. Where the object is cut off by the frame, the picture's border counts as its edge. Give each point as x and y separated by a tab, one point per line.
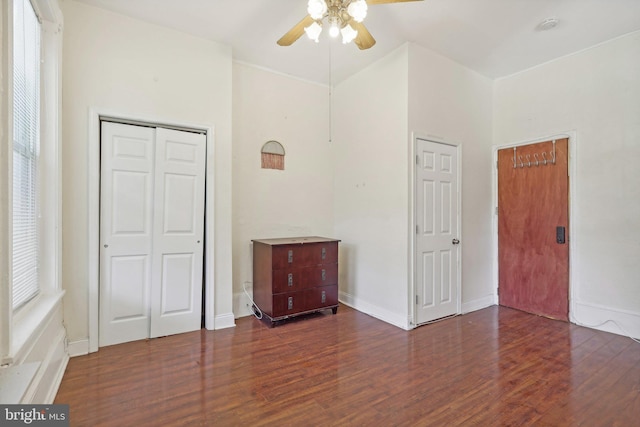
455	241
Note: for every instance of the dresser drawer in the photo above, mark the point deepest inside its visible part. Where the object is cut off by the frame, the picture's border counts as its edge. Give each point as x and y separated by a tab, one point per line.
294	279
322	296
289	303
304	255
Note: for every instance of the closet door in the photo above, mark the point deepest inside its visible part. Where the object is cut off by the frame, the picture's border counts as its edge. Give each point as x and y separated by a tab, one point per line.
126	232
178	232
151	232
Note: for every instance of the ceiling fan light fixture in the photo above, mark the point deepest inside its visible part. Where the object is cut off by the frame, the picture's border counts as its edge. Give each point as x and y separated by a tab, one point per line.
357	10
316	8
348	34
313	31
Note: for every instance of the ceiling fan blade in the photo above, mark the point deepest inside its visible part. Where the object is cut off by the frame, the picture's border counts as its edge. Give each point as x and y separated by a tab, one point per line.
388	1
364	39
294	34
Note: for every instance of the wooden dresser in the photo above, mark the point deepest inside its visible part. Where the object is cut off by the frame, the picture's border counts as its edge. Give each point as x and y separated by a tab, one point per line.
294	276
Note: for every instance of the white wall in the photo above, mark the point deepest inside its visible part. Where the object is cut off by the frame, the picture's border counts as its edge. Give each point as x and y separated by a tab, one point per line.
596	93
297	201
413	90
130	67
370	139
453	104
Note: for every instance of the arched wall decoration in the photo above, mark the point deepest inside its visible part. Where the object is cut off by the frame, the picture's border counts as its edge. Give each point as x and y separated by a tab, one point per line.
272	155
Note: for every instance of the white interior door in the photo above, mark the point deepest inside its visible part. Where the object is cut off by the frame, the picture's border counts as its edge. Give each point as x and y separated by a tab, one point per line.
126	232
151	232
176	297
437	250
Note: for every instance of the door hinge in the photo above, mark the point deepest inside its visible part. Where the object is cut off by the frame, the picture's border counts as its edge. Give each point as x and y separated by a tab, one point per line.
496	210
417	230
416	299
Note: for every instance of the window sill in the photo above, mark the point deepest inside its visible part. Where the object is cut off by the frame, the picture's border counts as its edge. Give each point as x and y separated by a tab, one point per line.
15	380
29	320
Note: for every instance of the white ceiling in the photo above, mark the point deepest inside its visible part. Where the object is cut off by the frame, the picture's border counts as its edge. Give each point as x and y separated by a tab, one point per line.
494	37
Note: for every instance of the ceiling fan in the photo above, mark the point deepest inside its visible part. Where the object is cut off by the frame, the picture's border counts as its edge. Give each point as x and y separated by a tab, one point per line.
343	16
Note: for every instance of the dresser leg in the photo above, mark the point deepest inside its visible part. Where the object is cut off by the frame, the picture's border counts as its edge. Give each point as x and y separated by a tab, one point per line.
334	310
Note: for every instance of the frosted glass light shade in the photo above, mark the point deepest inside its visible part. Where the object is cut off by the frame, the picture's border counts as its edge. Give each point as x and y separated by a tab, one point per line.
334	30
313	31
348	34
358	10
316	8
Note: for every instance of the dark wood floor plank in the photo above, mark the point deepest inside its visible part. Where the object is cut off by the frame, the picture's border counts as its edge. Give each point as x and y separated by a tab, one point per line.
493	367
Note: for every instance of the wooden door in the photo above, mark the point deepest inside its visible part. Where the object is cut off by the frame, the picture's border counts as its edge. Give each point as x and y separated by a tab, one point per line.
533	213
437	236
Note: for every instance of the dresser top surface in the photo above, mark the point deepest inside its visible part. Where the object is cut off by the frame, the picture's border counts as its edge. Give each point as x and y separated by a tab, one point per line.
295	240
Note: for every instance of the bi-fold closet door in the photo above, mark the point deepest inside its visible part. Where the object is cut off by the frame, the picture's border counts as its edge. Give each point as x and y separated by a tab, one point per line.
151	231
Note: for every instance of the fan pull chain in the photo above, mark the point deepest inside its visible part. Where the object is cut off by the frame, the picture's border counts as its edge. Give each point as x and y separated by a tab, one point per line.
330	95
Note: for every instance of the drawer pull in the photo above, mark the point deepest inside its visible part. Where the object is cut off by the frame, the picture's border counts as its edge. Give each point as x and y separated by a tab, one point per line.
324	253
290	303
290	279
324	297
324	275
290	257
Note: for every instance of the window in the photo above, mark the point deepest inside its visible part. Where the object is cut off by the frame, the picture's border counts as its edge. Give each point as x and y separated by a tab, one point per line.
26	138
30	178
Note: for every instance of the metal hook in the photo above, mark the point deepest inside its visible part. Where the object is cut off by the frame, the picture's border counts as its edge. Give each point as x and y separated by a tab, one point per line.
514	158
529	160
553	155
535	156
544	158
521	162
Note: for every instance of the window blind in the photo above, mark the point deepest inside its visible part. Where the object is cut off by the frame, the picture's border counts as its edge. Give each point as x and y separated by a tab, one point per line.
26	136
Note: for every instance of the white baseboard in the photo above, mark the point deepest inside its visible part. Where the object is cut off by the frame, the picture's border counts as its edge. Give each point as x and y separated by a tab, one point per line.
478	304
372	310
621	322
223	321
78	348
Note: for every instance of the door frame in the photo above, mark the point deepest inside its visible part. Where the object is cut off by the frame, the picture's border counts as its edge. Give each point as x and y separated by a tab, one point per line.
93	224
415	136
573	207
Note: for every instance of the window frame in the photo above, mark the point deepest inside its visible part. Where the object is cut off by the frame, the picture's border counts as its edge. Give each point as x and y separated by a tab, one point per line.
19	328
32	159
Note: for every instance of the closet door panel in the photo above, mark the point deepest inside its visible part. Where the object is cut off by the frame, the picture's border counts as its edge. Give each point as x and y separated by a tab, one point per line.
126	232
176	296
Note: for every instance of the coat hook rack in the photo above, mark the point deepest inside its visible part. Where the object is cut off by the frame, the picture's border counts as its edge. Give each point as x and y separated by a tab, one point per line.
519	163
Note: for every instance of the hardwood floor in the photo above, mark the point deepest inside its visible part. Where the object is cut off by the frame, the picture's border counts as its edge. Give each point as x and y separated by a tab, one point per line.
493	367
